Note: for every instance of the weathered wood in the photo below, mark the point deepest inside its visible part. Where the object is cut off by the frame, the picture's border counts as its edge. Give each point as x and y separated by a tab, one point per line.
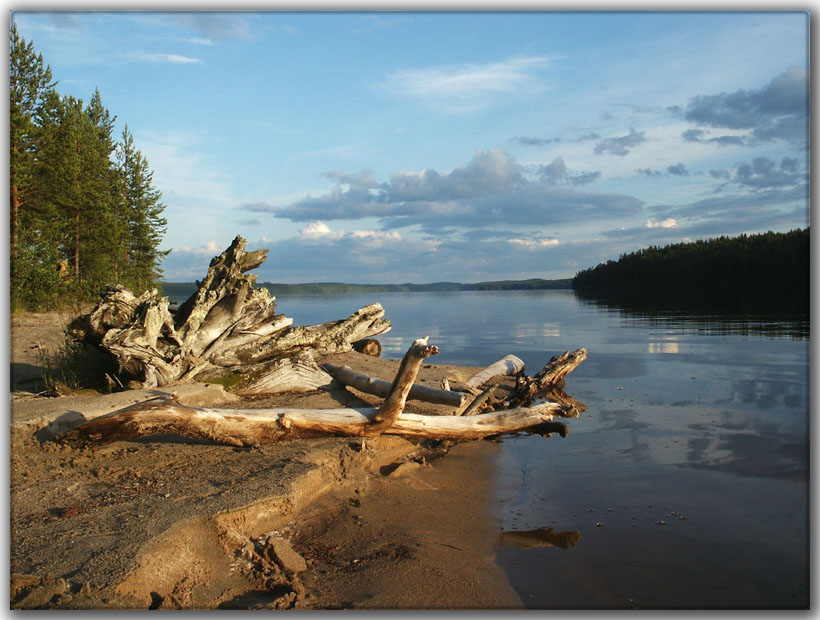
394	403
368	346
509	365
545	385
298	373
528	389
478	401
559	367
380	387
248	427
251	427
225	323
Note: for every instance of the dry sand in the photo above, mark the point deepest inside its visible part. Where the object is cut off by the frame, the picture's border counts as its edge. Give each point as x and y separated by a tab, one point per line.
313	524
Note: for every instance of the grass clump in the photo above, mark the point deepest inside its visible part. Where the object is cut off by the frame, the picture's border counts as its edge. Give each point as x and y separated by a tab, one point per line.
77	367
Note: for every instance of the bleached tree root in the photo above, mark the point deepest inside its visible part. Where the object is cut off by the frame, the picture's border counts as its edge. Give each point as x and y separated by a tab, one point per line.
227	323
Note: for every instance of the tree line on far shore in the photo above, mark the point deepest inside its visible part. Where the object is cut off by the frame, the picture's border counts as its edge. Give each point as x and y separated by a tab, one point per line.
181	290
756	273
83	209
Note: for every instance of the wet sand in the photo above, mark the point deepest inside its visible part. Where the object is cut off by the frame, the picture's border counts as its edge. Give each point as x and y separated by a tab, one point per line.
313	524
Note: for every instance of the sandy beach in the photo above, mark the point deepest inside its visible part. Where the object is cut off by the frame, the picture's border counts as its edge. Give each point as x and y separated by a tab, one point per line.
170	523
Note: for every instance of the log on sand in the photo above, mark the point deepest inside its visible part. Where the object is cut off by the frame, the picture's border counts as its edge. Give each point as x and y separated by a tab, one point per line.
250	427
380	387
507	366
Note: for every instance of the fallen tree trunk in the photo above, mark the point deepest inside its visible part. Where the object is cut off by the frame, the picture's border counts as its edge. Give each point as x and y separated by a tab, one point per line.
507	366
380	387
251	427
227	323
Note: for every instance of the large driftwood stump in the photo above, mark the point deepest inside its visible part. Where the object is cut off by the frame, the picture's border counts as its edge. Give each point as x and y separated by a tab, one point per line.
226	324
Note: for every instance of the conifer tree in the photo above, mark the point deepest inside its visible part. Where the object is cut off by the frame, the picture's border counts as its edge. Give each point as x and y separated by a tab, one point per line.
143	209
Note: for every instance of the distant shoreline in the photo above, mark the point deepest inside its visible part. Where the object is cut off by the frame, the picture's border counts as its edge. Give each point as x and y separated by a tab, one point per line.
184	289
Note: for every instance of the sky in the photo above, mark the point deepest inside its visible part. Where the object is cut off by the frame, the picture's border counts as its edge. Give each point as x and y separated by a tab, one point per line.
386	147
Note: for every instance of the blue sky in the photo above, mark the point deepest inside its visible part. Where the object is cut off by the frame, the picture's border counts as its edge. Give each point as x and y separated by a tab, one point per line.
423	146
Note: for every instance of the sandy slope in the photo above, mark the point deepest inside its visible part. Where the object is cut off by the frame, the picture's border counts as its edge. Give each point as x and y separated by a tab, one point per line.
321	523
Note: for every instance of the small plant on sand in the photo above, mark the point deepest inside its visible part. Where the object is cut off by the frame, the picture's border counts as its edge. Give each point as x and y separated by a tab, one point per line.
78	366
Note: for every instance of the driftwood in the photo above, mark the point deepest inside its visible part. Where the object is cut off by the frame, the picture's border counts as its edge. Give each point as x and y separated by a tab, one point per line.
380	387
548	380
368	346
507	366
544	386
250	427
298	373
226	324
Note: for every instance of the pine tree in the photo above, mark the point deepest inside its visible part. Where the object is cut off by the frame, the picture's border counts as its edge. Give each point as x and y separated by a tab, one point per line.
84	212
30	90
143	208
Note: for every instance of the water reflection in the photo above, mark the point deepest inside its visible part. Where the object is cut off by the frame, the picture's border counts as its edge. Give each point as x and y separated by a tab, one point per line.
716	321
663	347
538	538
749	447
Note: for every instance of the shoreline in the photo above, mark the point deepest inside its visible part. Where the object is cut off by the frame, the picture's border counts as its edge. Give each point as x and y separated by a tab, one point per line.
323	523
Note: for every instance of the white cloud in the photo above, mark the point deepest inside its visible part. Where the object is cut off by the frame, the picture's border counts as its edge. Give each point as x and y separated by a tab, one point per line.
170	58
669	222
469	86
318	230
533	244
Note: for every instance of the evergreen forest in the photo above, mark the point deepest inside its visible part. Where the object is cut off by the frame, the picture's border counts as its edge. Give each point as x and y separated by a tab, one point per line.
83	209
760	273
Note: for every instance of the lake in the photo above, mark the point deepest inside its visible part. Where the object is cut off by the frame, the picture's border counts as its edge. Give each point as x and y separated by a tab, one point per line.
684	484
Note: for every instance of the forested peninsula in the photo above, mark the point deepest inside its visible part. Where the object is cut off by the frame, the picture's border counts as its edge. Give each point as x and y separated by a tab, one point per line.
83	210
757	273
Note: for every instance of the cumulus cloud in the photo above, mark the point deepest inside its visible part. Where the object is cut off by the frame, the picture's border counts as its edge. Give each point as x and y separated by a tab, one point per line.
318	230
492	189
678	169
556	172
763	172
777	111
620	145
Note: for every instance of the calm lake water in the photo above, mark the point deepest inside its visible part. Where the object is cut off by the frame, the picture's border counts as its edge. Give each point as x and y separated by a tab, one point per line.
685	482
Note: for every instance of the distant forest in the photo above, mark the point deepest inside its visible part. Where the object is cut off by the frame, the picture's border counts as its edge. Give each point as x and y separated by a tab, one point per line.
758	273
83	209
182	290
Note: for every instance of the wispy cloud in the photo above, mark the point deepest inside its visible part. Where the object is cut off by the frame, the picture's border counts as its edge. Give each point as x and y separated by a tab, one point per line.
163	58
468	86
620	145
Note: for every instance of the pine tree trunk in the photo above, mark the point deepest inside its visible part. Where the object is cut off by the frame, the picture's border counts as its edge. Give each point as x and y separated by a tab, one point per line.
77	245
15	210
